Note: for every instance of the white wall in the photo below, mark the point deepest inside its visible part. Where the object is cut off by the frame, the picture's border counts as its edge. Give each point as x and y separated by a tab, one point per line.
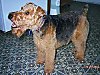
1	19
90	1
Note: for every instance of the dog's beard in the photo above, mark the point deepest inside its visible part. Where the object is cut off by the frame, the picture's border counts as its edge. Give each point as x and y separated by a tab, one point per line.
17	30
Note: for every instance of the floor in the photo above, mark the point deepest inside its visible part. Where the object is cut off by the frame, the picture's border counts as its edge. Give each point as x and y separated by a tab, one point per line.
18	55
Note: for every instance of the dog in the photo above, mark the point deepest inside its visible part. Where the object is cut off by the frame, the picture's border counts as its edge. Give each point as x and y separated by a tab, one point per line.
52	31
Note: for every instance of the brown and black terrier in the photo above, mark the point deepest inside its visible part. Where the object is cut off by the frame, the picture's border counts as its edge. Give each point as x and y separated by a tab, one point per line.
52	31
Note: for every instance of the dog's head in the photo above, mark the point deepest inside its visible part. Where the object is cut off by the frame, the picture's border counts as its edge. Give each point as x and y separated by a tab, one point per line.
29	17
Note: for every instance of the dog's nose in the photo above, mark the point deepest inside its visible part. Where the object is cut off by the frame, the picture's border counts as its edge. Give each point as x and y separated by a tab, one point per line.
10	16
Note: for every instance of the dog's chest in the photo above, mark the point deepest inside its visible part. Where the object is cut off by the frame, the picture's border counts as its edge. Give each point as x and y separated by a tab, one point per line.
44	41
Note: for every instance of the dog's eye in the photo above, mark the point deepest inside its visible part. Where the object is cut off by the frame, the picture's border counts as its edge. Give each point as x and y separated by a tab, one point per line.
27	13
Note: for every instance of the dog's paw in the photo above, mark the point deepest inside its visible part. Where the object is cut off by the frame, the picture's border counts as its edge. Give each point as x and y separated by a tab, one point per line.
39	61
79	56
47	73
48	69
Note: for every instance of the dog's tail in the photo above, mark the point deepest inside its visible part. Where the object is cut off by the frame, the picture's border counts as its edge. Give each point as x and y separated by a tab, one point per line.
85	10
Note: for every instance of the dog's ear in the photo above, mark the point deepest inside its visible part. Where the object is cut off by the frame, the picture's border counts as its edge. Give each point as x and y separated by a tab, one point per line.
40	11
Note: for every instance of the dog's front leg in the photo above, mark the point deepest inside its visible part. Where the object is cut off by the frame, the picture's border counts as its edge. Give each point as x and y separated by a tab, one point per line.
49	59
40	55
40	48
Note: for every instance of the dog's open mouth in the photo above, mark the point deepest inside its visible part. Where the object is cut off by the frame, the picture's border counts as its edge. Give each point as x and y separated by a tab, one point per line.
14	25
17	30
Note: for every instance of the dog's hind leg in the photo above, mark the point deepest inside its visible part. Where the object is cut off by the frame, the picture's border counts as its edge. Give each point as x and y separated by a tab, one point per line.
79	37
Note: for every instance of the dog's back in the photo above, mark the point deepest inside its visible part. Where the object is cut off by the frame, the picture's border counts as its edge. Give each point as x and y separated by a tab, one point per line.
64	23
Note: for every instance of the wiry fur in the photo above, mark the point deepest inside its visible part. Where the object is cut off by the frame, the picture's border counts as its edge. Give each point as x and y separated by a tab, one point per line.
52	31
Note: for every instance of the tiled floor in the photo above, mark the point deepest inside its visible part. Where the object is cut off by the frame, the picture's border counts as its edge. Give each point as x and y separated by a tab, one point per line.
18	56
